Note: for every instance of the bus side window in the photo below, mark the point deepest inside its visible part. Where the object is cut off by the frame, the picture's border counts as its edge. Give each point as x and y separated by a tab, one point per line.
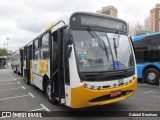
36	56
36	50
45	53
45	46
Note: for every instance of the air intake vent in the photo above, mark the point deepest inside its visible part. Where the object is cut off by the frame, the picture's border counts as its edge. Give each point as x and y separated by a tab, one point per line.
91	77
108	86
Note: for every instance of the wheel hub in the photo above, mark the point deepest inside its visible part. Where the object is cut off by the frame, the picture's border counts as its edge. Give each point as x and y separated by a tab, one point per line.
49	91
152	76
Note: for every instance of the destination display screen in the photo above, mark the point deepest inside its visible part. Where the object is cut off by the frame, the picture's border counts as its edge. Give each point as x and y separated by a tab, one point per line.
104	22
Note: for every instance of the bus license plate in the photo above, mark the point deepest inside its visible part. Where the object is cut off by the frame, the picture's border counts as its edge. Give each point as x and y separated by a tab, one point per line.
115	93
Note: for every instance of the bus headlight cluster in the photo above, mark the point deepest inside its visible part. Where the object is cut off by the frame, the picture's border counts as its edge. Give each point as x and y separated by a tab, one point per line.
84	85
129	81
92	87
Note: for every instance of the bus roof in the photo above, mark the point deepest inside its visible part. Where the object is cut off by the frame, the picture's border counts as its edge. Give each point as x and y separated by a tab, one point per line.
144	36
65	20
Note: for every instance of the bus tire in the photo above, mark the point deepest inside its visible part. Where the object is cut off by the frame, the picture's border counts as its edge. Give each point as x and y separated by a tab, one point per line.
152	76
50	97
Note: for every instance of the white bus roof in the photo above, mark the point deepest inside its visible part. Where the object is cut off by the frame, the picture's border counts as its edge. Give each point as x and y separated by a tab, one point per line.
65	20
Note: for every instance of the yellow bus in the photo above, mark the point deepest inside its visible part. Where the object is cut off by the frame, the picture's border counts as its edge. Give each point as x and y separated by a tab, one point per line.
82	59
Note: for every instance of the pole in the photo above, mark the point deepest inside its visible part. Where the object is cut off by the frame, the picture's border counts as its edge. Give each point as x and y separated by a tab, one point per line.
7	43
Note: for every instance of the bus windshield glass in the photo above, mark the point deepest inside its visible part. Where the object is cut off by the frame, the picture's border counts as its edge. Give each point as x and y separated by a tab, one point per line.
121	50
100	51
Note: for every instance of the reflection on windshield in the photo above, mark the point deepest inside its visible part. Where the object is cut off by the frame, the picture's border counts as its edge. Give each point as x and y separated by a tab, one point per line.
122	52
115	55
90	56
100	41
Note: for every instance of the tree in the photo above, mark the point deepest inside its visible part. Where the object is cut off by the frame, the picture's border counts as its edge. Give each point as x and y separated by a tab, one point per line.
3	52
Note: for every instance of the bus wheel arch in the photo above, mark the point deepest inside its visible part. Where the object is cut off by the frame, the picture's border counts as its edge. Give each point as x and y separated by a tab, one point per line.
45	79
47	90
151	74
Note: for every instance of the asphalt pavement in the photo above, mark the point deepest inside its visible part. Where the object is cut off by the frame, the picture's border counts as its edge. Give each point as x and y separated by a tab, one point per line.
15	95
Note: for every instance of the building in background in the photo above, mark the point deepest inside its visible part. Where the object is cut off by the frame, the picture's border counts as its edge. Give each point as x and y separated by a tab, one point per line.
140	30
155	19
147	24
109	10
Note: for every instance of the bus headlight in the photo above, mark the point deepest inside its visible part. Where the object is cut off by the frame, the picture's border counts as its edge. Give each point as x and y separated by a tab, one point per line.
84	85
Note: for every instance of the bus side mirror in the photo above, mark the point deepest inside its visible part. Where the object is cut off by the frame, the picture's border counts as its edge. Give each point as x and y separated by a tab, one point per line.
66	35
67	40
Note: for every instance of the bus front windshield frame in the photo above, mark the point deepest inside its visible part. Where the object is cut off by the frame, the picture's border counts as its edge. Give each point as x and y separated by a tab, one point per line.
99	51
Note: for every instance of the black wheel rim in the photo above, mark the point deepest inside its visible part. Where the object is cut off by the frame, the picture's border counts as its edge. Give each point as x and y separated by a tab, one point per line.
49	91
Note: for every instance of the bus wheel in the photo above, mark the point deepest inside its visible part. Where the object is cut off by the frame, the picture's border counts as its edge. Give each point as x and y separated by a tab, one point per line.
50	97
152	76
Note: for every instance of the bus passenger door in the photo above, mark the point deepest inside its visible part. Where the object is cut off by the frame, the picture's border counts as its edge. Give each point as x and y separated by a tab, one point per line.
28	64
56	65
67	49
21	60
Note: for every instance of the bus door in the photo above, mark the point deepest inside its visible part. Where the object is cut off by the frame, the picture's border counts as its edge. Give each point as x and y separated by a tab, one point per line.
56	62
28	63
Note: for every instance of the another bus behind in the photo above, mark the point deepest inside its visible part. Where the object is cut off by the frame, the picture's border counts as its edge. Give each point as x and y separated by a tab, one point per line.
147	51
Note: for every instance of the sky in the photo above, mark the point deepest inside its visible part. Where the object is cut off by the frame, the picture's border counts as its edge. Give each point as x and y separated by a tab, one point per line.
20	20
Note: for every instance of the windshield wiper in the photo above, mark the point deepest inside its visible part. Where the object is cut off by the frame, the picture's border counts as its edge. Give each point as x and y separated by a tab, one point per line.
100	41
115	45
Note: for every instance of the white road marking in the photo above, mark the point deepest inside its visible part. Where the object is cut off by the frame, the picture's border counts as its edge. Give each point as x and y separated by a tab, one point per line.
13	97
31	95
11	89
148	92
37	109
23	87
18	82
8	83
45	107
15	79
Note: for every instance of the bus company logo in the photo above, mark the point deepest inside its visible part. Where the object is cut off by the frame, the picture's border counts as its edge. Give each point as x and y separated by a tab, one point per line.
120	81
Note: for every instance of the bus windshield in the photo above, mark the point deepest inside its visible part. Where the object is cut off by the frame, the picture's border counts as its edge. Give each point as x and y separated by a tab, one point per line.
121	50
102	53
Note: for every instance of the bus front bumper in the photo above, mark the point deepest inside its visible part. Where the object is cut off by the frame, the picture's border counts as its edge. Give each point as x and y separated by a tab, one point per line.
85	97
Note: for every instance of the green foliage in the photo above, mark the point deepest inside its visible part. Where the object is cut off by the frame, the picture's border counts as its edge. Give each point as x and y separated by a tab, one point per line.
3	52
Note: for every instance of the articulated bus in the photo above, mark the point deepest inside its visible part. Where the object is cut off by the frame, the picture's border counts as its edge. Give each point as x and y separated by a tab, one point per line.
147	52
83	59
